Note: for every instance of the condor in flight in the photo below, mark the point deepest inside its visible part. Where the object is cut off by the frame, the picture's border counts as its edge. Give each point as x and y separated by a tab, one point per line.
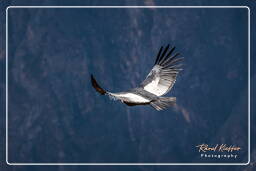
159	81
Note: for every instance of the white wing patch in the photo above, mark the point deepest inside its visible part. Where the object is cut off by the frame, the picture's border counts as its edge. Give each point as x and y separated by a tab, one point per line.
159	81
156	88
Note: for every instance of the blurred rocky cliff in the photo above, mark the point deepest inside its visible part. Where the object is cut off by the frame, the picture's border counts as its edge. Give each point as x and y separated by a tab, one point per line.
56	116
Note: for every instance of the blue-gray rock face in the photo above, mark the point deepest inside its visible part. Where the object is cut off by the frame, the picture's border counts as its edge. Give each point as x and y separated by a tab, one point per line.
56	116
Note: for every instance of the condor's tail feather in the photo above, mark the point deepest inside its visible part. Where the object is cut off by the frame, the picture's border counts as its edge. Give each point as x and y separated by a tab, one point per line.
96	86
163	102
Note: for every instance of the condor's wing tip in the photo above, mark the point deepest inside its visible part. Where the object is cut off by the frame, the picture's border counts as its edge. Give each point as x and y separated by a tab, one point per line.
96	86
92	77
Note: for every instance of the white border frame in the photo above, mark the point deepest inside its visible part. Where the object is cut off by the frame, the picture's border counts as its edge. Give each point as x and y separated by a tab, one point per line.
128	7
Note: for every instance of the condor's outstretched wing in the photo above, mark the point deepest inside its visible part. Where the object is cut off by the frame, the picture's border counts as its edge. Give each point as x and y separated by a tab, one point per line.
163	75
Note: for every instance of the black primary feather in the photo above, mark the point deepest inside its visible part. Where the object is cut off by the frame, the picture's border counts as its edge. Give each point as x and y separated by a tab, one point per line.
96	86
166	58
162	56
158	55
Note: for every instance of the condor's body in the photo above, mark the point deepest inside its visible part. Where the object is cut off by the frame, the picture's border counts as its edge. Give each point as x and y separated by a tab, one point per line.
137	96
